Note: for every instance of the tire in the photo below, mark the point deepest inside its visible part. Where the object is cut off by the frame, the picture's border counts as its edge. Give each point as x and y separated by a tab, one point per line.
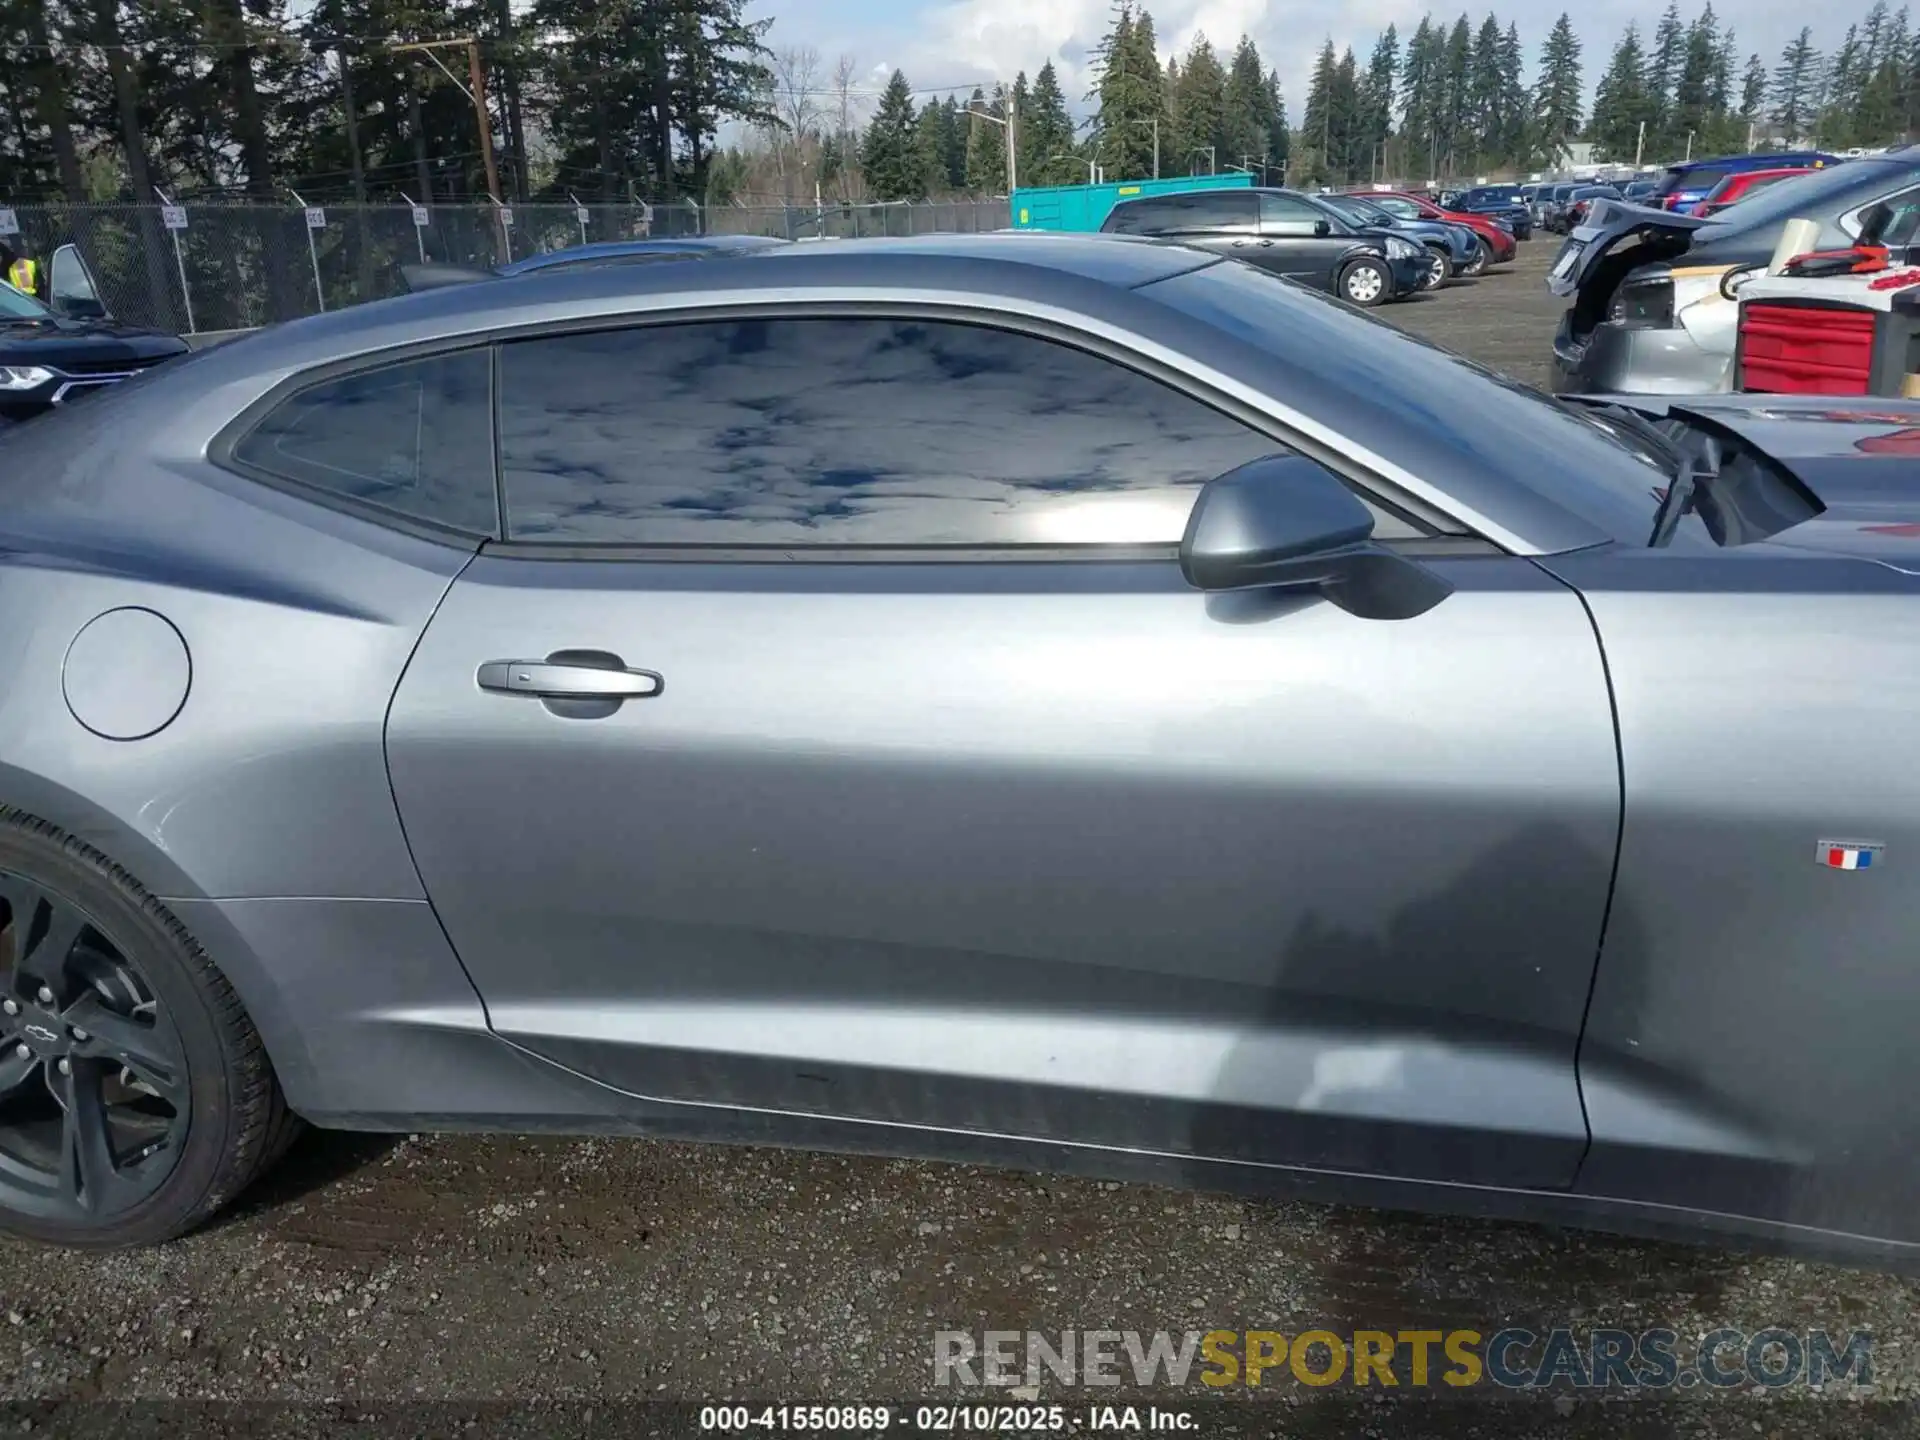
199	1078
1482	257
1365	283
1439	269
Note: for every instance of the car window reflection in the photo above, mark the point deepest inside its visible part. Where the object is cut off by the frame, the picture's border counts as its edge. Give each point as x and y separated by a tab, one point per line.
847	432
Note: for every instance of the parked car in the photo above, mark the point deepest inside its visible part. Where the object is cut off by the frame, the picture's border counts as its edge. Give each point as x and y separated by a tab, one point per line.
55	354
1501	202
1452	248
1648	292
1495	239
1686	185
431	275
1287	232
626	804
1580	202
1639	192
1739	185
1552	202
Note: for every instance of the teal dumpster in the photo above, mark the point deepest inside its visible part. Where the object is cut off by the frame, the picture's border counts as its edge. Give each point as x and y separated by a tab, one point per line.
1084	207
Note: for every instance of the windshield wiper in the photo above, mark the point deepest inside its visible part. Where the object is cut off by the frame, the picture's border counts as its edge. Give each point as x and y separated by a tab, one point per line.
1690	478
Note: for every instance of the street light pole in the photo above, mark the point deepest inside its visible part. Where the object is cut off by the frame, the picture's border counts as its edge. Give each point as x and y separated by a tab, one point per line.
1006	125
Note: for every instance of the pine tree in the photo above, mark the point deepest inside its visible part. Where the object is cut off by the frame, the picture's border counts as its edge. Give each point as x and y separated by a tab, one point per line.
1844	82
1318	133
986	143
1692	111
890	154
1279	134
1377	99
1130	95
1516	140
1484	94
1199	109
1046	132
1796	82
1456	140
1664	59
1558	98
1621	103
1753	90
1245	123
1422	86
930	150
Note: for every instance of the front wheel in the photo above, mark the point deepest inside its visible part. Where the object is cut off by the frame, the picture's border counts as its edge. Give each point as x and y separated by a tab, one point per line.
1365	283
1481	258
1439	270
135	1096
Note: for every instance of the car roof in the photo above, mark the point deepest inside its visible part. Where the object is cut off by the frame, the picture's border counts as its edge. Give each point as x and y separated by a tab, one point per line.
615	249
1013	265
1750	162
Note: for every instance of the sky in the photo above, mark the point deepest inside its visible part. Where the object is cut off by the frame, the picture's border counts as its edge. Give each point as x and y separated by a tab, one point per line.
956	44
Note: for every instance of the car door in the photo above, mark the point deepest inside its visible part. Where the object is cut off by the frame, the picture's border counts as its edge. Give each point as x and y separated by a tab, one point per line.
1304	242
900	777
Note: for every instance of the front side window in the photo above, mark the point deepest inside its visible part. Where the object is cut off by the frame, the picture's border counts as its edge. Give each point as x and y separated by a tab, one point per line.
855	431
1288	215
414	438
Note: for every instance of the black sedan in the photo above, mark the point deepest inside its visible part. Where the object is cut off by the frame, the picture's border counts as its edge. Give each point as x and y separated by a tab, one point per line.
48	358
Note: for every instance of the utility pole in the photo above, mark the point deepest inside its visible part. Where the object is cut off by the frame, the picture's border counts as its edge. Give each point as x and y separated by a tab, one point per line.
478	95
1640	145
1013	119
352	117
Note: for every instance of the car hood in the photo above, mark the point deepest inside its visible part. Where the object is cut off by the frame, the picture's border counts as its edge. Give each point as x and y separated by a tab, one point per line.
1609	224
1859	456
59	341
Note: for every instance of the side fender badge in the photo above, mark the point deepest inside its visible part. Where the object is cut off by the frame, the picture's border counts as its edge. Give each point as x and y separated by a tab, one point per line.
1850	854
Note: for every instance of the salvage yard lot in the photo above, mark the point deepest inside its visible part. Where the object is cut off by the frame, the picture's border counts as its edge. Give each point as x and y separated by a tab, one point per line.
385	1270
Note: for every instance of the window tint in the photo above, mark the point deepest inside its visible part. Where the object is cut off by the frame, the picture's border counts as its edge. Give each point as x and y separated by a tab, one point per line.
847	432
1206	210
1137	217
415	438
1288	213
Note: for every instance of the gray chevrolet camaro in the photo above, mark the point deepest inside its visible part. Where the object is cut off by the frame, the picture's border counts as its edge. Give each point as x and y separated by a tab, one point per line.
1056	701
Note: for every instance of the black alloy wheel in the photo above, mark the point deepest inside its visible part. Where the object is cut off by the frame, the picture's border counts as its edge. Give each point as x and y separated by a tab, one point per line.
94	1094
136	1097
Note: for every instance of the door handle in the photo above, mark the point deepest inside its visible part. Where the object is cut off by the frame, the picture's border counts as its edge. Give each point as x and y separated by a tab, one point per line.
569	679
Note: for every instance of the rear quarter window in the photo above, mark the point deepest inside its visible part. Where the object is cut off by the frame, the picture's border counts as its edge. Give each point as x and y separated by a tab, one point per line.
414	439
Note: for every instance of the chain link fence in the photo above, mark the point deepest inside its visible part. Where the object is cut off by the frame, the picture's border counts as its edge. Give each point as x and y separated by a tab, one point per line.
201	268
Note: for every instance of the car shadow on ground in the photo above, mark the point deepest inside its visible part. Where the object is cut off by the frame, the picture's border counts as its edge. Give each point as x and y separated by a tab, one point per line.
316	1160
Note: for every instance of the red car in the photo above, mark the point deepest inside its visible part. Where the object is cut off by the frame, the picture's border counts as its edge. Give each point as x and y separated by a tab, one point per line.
1742	183
1500	243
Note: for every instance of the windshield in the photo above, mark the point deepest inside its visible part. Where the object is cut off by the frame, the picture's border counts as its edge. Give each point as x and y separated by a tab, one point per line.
1816	194
1358	211
16	306
1494	195
1488	421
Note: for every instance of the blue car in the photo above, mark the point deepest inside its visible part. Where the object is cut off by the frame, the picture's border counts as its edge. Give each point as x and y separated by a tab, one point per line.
432	275
1454	249
1504	203
1684	186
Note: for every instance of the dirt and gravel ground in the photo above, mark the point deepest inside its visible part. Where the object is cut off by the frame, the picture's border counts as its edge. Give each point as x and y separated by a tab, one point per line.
466	1286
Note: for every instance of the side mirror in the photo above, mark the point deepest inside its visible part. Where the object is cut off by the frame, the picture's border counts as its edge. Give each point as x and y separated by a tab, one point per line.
70	287
1322	229
1287	522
